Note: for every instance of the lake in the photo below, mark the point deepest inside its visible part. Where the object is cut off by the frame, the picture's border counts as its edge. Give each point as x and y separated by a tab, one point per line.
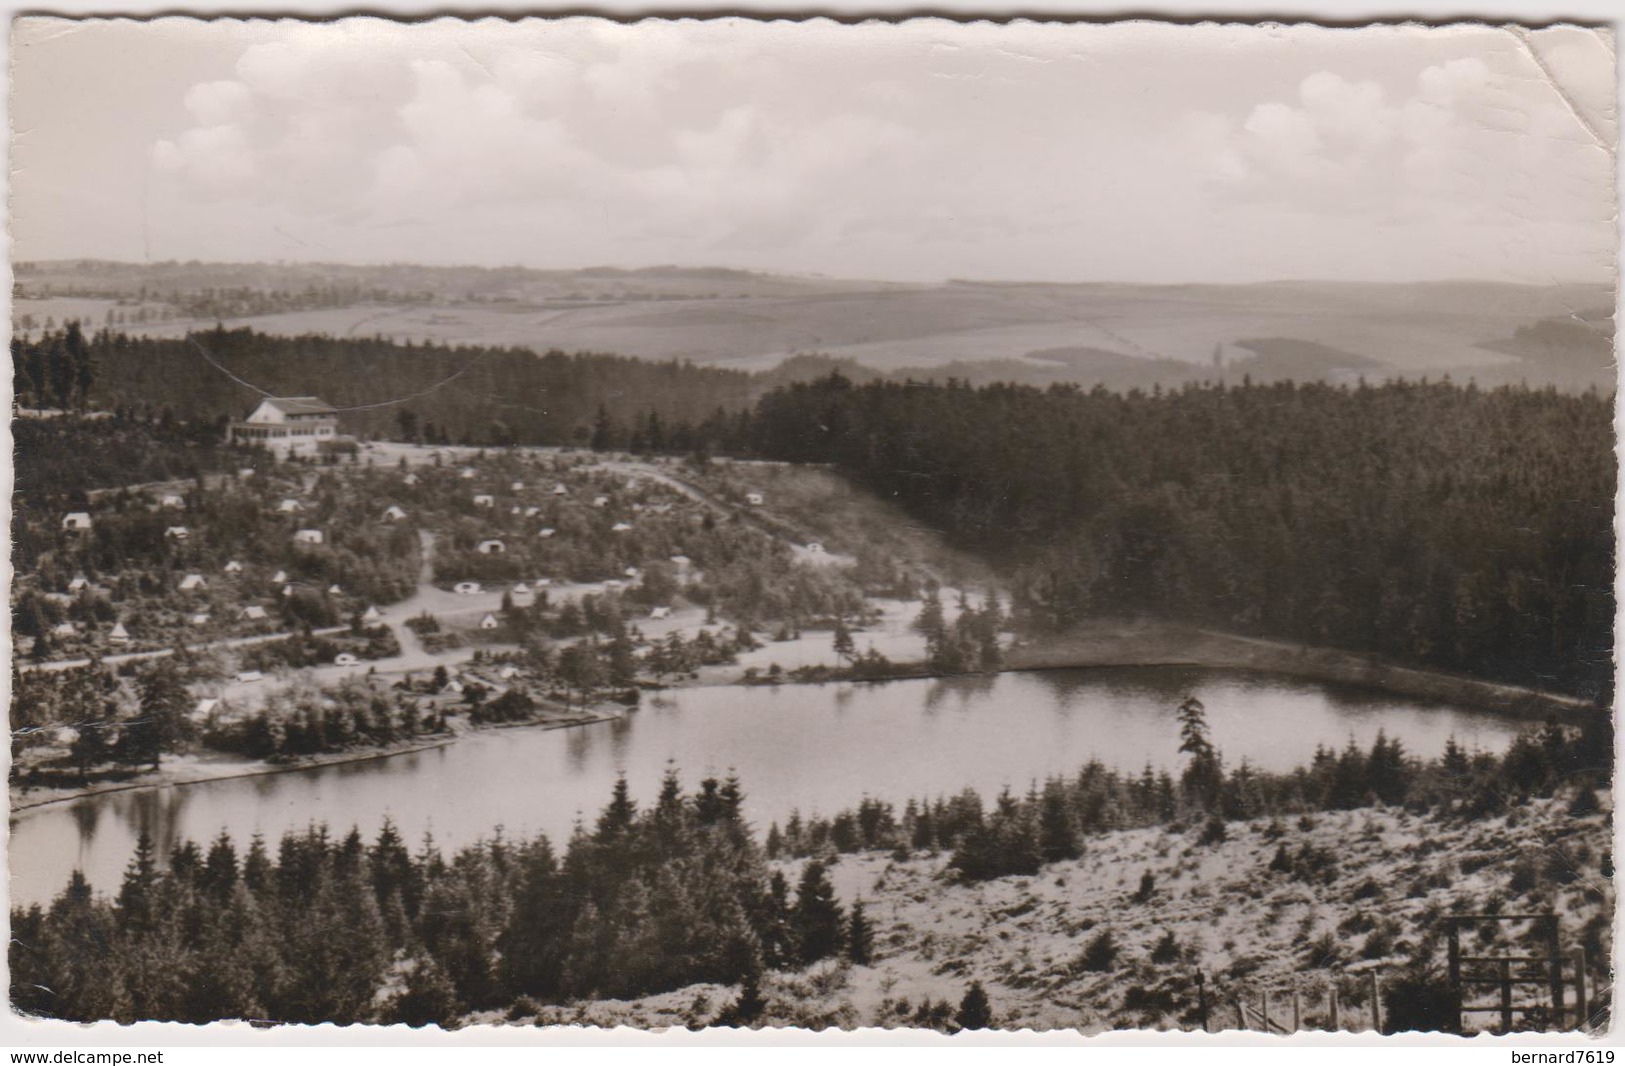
816	748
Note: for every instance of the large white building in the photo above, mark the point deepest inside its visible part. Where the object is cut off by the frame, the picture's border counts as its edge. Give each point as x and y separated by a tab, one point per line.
300	423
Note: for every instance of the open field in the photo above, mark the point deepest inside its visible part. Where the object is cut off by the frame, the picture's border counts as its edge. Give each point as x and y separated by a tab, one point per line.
1038	332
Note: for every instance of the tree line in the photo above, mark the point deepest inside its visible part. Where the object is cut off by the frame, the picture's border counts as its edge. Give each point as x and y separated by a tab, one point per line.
458	394
336	929
1445	526
1052	821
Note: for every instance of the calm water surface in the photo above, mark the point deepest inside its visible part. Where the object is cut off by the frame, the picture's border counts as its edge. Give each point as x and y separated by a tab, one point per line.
814	748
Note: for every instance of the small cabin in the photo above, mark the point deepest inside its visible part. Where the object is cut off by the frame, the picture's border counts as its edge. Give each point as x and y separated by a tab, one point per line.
600	501
633	571
199	619
253	613
177	533
77	521
193	583
484	500
290	507
119	634
560	490
491	547
279	577
245	471
392	513
287	590
78	583
206	706
543	582
409	479
517	486
308	536
489	622
546	531
345	658
466	473
466	588
520	589
681	561
754	499
173	502
660	612
516	510
64	629
370	615
335	590
234	567
620	527
249	677
508	673
532	512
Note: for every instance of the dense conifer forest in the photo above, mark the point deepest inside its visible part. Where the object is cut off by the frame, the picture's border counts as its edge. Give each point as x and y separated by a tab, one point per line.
1441	525
433	393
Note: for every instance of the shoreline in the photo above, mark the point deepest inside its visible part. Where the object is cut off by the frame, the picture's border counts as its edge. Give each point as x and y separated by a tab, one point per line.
1123	647
231	771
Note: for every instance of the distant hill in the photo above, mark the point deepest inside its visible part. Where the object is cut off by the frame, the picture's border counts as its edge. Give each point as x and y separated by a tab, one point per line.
1117	335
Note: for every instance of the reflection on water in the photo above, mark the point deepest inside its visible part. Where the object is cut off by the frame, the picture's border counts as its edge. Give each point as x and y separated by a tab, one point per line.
816	748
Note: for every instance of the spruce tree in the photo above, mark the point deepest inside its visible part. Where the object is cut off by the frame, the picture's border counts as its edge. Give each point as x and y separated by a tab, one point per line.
975	1011
817	916
860	937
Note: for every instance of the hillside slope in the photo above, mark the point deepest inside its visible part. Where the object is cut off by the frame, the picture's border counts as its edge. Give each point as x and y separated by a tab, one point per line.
1364	893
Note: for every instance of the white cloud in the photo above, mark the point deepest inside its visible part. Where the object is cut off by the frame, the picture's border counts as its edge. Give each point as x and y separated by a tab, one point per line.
1484	136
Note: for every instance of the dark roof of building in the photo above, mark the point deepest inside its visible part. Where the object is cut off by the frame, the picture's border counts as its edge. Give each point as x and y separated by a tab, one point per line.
301	405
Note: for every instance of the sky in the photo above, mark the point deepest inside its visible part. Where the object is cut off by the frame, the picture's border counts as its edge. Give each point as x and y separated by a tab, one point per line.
921	150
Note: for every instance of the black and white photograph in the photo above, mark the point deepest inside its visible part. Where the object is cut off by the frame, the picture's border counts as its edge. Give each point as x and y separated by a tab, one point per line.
733	523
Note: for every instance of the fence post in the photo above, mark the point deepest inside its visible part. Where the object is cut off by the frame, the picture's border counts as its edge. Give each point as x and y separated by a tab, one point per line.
1376	1003
1506	996
1201	999
1264	1007
1337	1022
1455	972
1297	1012
1582	1009
1241	1014
1554	963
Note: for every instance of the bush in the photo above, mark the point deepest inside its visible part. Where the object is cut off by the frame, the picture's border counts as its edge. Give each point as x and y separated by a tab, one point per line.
1165	950
1100	954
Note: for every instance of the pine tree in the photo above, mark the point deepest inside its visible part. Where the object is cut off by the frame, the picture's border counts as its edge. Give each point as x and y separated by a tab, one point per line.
750	1005
845	649
975	1011
817	915
1058	834
860	937
779	949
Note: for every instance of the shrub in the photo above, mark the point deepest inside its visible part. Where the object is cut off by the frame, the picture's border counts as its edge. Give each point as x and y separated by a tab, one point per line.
1100	954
